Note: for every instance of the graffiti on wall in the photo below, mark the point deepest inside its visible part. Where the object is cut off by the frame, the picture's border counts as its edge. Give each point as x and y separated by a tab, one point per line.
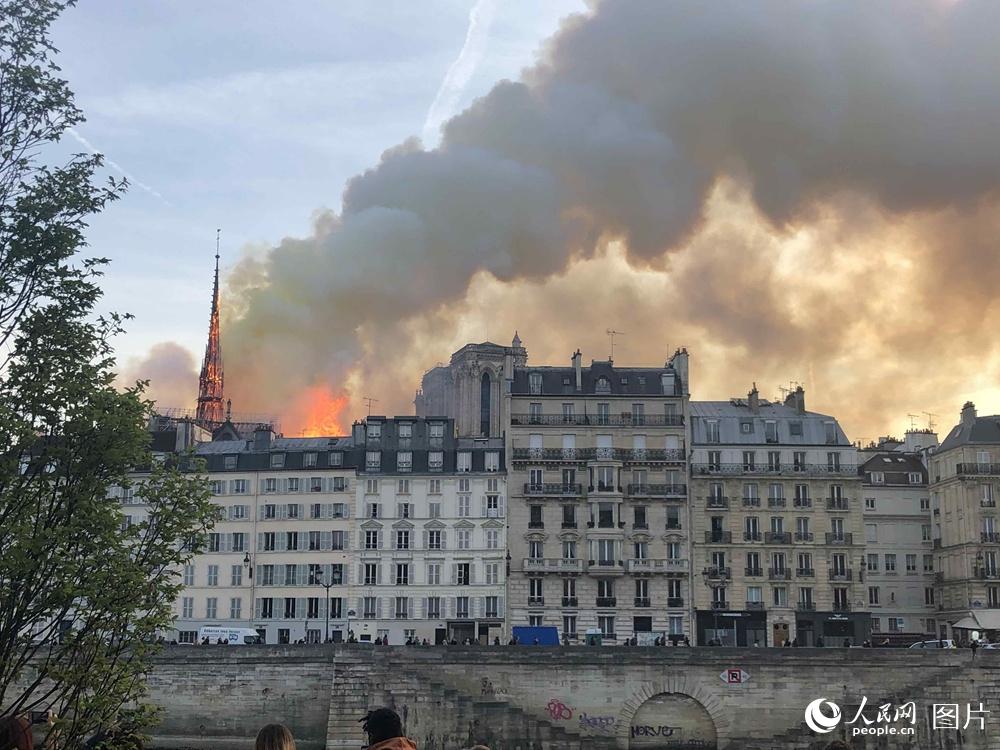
488	689
597	723
559	711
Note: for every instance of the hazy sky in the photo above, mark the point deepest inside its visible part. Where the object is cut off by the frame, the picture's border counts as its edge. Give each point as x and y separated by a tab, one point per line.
795	191
250	115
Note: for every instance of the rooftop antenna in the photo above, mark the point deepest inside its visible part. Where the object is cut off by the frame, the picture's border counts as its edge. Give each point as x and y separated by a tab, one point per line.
913	421
784	392
611	335
369	400
930	419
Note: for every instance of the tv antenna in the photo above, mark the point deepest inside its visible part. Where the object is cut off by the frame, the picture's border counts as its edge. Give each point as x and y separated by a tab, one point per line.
369	400
913	421
611	335
930	419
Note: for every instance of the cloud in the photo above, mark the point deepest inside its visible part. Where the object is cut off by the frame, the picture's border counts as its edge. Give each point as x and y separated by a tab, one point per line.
462	69
804	190
170	370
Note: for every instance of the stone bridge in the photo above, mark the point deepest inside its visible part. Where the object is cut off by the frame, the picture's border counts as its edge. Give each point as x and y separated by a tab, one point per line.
544	698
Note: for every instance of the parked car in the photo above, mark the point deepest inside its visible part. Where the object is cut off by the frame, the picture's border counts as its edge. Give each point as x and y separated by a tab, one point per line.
940	643
990	645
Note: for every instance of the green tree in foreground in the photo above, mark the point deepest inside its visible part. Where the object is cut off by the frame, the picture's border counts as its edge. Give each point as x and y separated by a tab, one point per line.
81	598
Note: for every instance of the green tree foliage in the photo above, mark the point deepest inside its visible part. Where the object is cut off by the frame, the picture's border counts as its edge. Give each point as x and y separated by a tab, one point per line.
81	597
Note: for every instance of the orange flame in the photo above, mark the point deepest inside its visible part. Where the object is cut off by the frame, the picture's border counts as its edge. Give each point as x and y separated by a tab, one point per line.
319	412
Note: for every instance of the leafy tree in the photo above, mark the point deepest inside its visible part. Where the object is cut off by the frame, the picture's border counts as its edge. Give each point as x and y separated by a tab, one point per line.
81	597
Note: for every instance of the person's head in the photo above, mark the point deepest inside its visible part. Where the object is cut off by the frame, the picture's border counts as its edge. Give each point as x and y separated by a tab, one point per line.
275	737
381	724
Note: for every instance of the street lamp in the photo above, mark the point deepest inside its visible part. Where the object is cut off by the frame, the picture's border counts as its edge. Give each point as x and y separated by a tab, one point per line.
327	584
350	613
248	566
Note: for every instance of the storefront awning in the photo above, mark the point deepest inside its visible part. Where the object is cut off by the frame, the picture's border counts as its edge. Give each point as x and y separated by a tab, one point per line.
966	623
986	620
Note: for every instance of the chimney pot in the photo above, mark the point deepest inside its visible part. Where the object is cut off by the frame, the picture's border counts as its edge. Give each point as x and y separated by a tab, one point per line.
968	413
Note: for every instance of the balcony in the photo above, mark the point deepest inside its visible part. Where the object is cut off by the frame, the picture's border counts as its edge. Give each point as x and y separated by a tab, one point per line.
568	524
551	565
569	601
779	574
657	490
716	502
841	606
718	537
553	489
716	573
777	537
607	601
605	523
993	537
988	575
776	502
606	567
625	419
805	573
781	470
837	503
806	606
547	455
841	575
674	526
984	503
754	604
803	536
753	571
675	601
977	470
657	565
802	502
751	536
642	602
846	539
536	524
536	601
640	525
751	502
721	604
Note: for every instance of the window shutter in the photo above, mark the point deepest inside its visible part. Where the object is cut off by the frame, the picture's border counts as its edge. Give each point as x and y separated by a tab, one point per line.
282	511
451	606
258	607
324	607
444	540
347	540
392	539
392	571
361	574
232	512
500	603
326	540
347	510
501	506
409	608
301	607
226	543
378	573
472	573
379	538
424	546
260	540
378	608
454	573
416	607
260	513
483	504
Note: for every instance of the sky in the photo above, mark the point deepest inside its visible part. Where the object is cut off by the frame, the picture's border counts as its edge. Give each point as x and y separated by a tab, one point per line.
795	192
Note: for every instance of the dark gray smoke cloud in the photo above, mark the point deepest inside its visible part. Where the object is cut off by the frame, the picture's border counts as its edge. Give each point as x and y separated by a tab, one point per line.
632	116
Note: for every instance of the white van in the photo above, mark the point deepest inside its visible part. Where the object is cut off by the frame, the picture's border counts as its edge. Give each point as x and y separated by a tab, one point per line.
234	636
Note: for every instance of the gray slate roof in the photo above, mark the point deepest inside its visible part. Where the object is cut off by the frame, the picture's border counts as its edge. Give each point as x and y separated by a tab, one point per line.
735	411
983	431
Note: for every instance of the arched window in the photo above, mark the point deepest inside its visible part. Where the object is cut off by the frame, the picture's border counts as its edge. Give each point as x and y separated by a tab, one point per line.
485	399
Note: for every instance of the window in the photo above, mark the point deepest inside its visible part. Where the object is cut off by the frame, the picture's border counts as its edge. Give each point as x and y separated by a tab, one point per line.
492	539
230	462
402	539
774	460
239	486
492	573
638	414
830	430
877	477
871	532
795	429
925	503
266	575
336	458
235	608
403	510
371	539
492	506
435	461
434	487
338	540
404	462
267	608
213	575
371	574
535	382
925	532
402	607
434	574
749	460
915	477
464	461
236	575
464	538
569	549
293	484
464	505
277	460
928	563
714	460
309	460
712	430
492	461
535	549
434	540
770	431
369	606
535	517
270	484
746	426
869	503
372	510
291	540
779	596
402	574
890	563
463	574
189	575
872	563
187	606
911	563
873	596
434	510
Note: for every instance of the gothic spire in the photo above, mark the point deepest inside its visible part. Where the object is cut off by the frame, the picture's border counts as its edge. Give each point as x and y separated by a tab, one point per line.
210	391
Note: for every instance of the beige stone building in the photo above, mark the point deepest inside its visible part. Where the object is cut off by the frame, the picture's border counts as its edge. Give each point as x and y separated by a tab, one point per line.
598	519
964	479
777	531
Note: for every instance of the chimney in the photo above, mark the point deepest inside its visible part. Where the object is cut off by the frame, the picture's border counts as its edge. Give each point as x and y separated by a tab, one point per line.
753	400
262	435
797	400
968	413
680	364
577	363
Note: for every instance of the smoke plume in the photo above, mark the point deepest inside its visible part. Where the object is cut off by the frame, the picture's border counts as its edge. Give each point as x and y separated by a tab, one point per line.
793	190
170	370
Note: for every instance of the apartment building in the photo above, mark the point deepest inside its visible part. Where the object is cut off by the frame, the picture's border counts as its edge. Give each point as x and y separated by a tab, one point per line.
964	478
430	507
777	525
598	520
899	555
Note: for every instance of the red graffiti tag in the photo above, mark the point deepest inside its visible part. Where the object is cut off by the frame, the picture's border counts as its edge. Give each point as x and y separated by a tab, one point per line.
559	710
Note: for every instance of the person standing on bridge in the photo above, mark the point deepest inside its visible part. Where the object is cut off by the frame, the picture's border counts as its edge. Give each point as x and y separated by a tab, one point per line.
385	731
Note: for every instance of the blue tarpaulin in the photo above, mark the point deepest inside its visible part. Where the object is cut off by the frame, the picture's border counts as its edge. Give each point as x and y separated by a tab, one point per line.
547	635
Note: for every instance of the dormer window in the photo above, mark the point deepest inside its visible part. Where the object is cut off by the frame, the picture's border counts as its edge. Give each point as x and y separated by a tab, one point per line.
405	430
603	385
374	431
535	382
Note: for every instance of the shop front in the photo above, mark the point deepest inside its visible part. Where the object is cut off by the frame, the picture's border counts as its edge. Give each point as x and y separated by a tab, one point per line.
732	627
835	628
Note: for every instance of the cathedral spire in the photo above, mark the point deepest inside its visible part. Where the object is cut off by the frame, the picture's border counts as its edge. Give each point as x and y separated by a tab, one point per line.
210	392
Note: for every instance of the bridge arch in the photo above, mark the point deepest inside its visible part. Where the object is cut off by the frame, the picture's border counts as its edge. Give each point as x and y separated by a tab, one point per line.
697	714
